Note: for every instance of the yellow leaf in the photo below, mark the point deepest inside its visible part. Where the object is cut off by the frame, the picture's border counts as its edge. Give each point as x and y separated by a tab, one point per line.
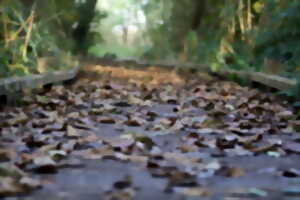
258	6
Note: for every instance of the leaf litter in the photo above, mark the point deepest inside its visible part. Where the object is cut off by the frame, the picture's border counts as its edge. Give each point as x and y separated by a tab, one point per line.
212	121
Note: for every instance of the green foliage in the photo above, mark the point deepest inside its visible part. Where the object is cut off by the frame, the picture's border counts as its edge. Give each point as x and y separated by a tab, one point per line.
26	38
17	41
280	33
240	35
247	33
34	29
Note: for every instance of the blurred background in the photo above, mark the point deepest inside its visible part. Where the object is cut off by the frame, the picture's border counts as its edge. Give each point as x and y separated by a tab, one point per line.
261	35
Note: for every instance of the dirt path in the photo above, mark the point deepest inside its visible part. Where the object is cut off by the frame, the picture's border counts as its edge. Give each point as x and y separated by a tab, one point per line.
151	134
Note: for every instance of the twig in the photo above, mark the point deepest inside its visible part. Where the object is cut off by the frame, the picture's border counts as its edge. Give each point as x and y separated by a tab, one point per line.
22	27
249	14
8	39
28	34
5	31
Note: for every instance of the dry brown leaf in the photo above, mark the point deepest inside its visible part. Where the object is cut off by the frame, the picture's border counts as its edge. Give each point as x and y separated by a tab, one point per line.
72	132
194	192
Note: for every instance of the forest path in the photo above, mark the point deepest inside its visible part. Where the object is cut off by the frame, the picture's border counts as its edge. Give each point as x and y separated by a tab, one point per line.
120	133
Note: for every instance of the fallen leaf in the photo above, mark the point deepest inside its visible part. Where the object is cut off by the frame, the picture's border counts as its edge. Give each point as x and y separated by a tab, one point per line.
106	120
57	154
194	192
44	164
30	183
258	192
231	172
291	173
72	132
9	187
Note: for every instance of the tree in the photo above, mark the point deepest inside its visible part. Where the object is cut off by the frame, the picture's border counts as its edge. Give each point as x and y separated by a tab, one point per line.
71	20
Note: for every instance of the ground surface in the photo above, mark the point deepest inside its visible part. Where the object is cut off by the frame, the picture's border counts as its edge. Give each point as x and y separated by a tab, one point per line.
149	134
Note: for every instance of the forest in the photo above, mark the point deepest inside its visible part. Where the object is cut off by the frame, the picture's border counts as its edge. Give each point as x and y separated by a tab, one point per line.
240	34
143	99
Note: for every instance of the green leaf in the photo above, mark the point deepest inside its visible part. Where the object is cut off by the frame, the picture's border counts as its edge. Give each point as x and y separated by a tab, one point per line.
258	192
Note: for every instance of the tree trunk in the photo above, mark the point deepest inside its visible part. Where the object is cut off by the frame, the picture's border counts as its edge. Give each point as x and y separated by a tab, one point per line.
125	34
80	33
199	13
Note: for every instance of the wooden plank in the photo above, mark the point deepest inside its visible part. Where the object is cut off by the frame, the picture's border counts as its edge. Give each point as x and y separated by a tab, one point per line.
16	84
273	81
